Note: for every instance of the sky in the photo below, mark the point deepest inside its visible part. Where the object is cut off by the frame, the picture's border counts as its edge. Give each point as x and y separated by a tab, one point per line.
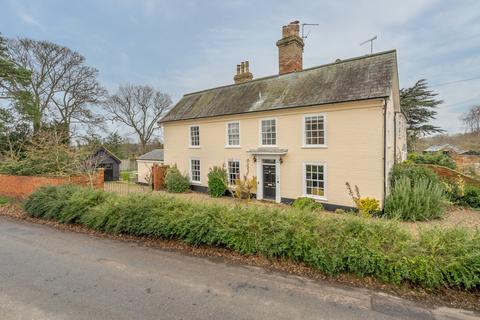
189	45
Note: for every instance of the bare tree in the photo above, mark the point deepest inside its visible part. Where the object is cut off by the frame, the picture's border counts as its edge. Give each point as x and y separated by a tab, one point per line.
61	85
139	108
471	120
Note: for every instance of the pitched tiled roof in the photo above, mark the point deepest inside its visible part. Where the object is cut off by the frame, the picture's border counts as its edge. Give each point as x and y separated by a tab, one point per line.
361	78
156	155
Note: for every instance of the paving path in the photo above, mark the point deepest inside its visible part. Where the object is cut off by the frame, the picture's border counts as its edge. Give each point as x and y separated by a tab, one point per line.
51	274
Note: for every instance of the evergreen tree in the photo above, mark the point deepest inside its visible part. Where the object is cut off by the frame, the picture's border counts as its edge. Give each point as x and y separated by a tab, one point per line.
419	103
13	79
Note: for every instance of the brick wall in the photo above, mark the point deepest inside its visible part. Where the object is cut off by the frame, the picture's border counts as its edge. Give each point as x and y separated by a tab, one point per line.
465	162
158	172
452	175
22	186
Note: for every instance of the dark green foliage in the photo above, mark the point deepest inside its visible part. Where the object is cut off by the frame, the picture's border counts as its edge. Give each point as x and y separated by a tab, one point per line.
217	181
80	202
49	201
4	201
415	201
419	103
437	158
373	247
412	172
471	197
175	181
305	203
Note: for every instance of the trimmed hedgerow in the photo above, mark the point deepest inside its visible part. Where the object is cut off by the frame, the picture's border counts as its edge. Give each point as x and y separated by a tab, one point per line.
373	247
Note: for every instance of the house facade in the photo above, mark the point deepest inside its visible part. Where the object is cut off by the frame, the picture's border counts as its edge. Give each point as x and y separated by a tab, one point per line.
302	133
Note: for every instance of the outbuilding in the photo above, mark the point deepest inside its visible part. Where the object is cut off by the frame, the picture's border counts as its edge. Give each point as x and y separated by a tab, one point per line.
109	162
145	163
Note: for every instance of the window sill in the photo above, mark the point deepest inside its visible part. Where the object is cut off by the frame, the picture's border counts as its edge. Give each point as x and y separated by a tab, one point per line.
268	145
194	147
196	182
315	146
233	147
315	197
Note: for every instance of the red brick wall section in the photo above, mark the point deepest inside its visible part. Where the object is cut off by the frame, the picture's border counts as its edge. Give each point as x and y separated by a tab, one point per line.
22	186
158	172
452	175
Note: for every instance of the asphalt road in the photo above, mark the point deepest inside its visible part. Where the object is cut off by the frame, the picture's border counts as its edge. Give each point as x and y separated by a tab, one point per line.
50	274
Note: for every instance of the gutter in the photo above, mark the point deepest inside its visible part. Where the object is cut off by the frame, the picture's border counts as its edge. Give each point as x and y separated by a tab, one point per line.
384	152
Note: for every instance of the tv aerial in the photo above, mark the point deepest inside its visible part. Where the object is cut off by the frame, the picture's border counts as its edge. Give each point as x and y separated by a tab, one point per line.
305	36
371	43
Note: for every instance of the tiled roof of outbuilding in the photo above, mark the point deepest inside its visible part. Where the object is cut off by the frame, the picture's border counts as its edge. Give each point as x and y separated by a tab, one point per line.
361	78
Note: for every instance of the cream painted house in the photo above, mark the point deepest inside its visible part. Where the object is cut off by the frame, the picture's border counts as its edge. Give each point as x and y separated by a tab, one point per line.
302	133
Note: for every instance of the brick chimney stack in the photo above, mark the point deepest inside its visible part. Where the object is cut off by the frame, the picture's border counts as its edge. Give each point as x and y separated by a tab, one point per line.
290	49
243	73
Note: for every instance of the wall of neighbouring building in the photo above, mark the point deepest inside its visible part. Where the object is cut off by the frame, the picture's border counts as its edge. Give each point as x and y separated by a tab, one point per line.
22	186
144	170
354	151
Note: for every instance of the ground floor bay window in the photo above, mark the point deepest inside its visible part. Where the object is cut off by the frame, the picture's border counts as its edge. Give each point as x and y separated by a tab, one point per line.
314	180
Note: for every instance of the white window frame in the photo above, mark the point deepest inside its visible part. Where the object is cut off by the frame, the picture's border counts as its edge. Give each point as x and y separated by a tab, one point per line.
190	136
199	170
304	180
228	169
304	133
260	132
227	142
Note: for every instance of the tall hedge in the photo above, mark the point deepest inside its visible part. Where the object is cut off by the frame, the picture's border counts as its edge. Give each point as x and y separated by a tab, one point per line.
364	247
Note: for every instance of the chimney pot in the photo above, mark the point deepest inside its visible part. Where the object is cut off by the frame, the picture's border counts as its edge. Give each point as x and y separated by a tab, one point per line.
243	73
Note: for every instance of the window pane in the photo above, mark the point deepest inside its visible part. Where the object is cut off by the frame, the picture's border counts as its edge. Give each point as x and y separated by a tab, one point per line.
233	132
314	130
195	170
233	171
195	136
269	132
314	180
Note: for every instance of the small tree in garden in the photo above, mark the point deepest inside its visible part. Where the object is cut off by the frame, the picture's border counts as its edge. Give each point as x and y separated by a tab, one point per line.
245	186
175	181
217	181
366	206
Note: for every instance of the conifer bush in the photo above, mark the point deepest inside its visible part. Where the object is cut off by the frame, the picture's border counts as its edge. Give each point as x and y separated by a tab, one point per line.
175	181
217	181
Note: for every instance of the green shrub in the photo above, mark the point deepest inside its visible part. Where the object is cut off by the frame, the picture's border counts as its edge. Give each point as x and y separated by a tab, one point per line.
175	181
471	197
368	206
422	200
305	203
125	175
80	202
217	181
412	172
4	201
432	158
365	247
49	201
